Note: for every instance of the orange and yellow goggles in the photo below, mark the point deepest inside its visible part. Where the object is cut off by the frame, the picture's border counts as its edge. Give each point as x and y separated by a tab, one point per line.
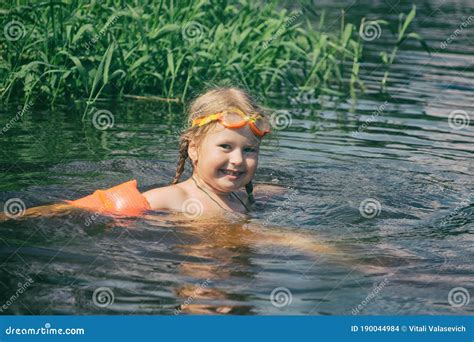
235	118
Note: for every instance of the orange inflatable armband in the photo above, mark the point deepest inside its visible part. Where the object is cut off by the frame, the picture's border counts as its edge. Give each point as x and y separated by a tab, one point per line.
123	199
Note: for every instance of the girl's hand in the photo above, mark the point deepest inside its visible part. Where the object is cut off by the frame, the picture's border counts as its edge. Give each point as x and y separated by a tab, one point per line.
44	210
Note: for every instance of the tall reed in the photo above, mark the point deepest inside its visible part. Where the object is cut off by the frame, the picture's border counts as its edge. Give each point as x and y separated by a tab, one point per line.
59	51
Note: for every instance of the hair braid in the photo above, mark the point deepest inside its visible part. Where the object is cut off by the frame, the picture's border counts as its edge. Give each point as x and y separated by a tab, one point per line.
249	190
183	155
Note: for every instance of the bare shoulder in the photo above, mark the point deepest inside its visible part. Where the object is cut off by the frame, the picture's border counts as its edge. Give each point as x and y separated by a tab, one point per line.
167	197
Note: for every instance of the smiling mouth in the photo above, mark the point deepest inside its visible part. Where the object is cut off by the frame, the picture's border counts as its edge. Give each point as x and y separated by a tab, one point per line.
232	173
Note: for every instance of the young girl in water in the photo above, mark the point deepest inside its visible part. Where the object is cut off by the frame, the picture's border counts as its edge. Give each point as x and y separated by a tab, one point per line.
222	143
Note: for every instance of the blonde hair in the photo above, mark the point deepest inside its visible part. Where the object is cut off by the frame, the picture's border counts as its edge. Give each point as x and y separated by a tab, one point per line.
213	101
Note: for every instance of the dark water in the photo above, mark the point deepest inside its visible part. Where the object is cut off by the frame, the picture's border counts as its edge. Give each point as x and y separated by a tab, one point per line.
396	150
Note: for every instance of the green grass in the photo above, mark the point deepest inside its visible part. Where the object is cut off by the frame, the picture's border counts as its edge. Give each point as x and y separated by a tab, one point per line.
71	51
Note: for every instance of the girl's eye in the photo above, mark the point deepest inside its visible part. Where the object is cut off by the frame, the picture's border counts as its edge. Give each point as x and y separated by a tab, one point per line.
225	146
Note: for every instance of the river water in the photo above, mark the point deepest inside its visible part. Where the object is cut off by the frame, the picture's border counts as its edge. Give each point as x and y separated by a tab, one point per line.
384	182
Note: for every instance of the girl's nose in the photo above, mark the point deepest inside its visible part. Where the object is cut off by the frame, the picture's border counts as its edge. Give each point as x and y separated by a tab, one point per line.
236	157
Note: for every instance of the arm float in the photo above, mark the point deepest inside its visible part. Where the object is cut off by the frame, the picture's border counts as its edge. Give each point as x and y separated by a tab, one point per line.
123	199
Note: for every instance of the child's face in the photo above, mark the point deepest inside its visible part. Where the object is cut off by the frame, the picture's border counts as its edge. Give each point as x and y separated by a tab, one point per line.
223	150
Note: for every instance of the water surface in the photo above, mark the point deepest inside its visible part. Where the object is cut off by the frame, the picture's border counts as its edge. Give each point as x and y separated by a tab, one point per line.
395	149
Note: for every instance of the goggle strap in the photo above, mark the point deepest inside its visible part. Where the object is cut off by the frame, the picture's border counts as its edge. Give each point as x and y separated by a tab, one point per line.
205	120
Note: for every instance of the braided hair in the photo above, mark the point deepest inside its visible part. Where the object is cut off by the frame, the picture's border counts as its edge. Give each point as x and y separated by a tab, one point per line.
213	101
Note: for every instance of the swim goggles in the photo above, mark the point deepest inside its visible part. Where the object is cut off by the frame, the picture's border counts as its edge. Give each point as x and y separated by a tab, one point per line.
235	118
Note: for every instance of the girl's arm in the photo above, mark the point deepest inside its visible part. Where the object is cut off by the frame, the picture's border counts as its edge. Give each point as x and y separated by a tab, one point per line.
44	210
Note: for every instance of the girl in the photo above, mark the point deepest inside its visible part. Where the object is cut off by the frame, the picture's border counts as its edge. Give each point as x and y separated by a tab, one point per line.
222	144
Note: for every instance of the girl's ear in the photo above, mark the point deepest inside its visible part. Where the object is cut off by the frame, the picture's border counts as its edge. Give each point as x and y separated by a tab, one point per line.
193	152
